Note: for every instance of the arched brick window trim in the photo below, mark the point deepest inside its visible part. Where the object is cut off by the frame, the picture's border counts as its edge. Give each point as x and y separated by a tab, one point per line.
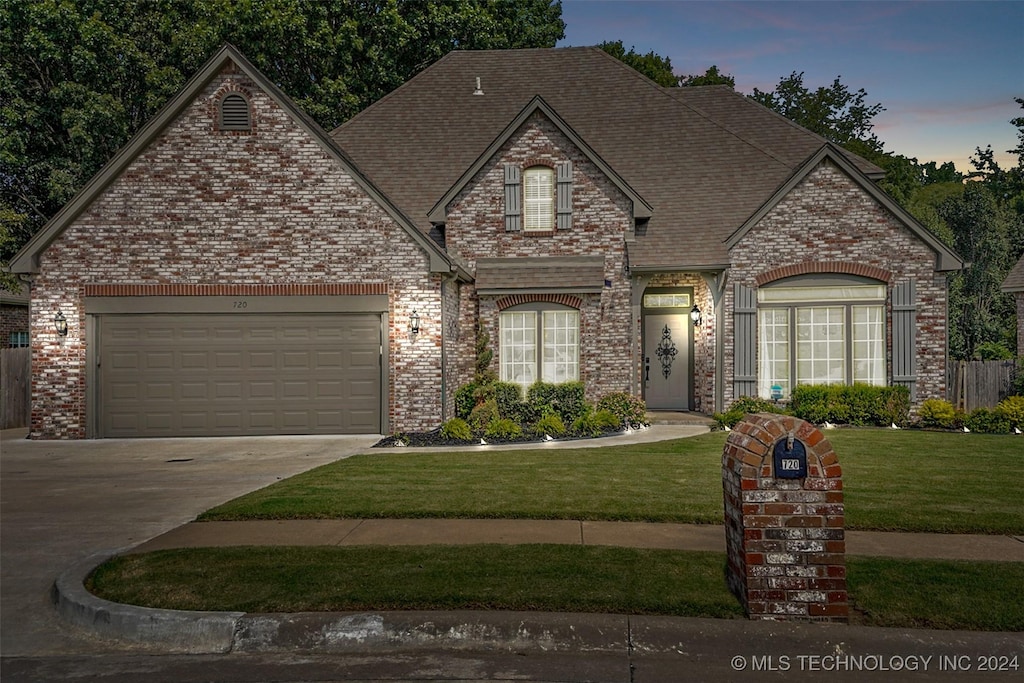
807	267
563	299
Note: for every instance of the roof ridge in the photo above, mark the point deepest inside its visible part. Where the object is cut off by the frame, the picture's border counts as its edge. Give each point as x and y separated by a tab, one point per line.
667	92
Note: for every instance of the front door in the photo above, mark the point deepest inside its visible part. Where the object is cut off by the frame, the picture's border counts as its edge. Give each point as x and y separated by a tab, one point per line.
668	363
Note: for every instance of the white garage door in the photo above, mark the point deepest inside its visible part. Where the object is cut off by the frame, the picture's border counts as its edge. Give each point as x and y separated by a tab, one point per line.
229	375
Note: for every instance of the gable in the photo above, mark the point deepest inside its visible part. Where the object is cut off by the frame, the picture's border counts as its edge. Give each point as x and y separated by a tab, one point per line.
538	107
827	205
227	65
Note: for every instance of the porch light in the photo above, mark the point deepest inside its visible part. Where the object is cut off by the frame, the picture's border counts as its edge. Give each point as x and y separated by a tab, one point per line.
695	315
60	323
414	323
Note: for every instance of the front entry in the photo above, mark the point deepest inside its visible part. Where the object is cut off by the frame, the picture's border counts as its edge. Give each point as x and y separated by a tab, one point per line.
668	349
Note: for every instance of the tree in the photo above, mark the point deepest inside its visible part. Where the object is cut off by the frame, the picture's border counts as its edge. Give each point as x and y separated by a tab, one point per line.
983	232
78	79
834	112
652	65
710	77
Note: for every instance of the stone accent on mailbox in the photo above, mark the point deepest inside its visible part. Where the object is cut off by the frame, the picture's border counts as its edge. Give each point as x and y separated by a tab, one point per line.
784	520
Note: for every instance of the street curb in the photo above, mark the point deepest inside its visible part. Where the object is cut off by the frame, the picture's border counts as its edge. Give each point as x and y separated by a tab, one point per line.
175	630
194	632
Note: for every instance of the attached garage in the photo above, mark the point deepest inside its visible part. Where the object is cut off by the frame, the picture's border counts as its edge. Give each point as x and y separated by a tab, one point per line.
253	371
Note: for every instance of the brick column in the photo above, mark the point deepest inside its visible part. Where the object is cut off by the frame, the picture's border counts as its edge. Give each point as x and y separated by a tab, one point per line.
785	535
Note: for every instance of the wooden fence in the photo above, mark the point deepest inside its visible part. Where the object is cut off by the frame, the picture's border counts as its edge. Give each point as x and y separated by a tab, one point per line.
978	383
15	402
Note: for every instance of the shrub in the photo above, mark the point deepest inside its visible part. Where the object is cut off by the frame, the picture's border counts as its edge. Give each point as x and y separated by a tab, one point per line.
550	424
510	402
857	404
936	412
606	420
631	411
586	424
503	428
566	399
741	407
895	406
1012	408
987	421
465	400
483	415
456	428
992	350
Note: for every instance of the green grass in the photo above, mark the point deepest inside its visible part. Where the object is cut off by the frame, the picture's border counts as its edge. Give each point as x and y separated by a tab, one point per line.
895	593
894	480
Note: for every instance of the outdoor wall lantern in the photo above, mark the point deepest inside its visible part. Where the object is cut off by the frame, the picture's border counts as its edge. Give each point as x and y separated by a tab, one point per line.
414	323
695	315
60	323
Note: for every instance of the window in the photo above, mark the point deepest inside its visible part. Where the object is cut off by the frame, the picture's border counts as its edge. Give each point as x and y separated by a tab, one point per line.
234	113
18	340
539	344
539	198
829	331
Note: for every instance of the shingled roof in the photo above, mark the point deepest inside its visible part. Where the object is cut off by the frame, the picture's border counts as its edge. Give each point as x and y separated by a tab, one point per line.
705	159
1014	281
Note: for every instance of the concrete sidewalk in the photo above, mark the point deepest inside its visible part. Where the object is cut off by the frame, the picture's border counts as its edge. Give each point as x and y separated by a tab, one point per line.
349	532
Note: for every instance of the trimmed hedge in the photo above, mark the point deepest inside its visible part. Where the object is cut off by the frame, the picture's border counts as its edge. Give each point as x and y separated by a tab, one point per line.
856	404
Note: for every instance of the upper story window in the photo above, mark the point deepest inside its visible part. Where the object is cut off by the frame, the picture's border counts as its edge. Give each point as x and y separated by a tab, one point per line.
539	198
235	113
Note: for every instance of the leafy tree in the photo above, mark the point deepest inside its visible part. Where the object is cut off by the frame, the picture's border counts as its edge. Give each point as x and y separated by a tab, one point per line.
835	112
983	232
710	77
77	79
652	65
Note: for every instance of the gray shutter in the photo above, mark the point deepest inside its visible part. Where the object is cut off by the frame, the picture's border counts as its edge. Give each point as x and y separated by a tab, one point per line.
745	342
513	199
563	195
904	336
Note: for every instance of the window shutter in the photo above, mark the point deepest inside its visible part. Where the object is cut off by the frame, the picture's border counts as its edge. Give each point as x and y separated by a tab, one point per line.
513	210
904	336
745	341
234	113
563	195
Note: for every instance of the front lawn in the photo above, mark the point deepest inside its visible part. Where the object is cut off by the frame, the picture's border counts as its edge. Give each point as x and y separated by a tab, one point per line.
907	480
884	592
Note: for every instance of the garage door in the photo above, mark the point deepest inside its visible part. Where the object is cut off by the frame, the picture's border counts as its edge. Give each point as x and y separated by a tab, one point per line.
227	375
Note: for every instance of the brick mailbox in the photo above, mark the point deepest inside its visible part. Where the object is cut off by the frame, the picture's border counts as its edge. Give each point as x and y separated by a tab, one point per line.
784	520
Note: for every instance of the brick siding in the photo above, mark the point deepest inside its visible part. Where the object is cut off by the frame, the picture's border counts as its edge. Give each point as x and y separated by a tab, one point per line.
206	209
827	219
475	229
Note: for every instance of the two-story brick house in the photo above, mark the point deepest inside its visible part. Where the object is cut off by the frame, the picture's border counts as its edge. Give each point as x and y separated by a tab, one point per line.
237	270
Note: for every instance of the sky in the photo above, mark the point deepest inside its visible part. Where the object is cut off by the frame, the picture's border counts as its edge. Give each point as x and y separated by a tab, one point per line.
946	72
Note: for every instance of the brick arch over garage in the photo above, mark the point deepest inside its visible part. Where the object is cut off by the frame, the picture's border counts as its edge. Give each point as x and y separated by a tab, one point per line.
844	267
517	299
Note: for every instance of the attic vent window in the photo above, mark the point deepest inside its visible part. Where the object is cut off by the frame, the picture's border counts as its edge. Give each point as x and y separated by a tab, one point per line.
234	113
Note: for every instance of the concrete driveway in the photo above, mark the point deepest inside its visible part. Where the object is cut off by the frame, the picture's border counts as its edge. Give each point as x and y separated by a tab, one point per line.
62	501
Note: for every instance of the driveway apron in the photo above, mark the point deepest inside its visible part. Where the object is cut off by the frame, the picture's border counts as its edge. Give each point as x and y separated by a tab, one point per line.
61	501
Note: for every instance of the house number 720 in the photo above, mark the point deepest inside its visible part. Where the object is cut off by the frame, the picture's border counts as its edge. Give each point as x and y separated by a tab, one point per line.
241	304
